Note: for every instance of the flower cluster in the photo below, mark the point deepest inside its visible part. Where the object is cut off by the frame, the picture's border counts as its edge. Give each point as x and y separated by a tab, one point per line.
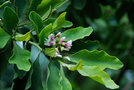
58	42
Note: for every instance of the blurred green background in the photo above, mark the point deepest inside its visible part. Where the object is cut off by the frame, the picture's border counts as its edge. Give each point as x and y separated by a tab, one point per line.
113	24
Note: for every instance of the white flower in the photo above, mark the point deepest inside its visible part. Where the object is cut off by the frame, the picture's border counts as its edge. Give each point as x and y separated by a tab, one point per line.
49	43
62	39
68	44
51	37
57	54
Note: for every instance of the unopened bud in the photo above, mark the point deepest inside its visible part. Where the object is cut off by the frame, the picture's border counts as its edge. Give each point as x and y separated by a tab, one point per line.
62	39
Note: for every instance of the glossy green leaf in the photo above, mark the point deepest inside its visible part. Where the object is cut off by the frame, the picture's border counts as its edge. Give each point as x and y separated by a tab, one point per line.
36	78
65	84
89	45
29	80
34	51
25	37
10	21
45	4
53	77
36	21
98	75
46	15
4	38
72	67
44	33
77	66
77	33
56	78
59	21
65	24
96	58
50	52
21	58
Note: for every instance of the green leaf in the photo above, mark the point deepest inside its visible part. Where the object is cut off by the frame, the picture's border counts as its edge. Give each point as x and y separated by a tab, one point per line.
4	38
53	77
66	85
89	45
44	34
29	80
50	52
34	4
65	24
21	58
46	15
45	4
21	6
59	21
98	75
3	4
77	33
97	58
34	51
72	67
19	73
79	4
19	83
36	79
25	37
10	19
36	21
4	57
77	66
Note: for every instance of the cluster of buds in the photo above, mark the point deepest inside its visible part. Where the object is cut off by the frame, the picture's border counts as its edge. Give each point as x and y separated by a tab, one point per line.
58	42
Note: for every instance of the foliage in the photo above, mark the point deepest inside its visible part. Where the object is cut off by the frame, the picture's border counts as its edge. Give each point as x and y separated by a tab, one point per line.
39	54
112	22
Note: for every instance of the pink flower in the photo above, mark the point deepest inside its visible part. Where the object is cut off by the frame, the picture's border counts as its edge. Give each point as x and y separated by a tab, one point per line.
51	43
51	37
58	34
68	44
58	42
62	39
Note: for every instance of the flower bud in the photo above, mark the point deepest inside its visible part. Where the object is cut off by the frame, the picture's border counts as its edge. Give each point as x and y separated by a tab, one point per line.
62	39
51	37
51	43
58	34
57	54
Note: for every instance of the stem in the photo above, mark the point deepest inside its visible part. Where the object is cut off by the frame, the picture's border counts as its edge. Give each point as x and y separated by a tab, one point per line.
5	3
14	33
36	45
60	5
26	23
